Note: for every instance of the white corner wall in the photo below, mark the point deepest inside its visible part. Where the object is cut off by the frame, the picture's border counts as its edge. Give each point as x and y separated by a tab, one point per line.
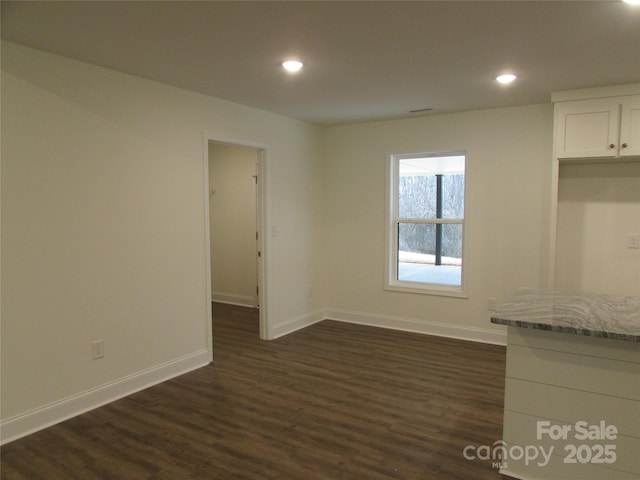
103	227
103	231
508	216
598	207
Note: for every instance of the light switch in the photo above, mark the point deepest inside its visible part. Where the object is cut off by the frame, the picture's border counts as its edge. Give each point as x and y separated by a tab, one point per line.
634	240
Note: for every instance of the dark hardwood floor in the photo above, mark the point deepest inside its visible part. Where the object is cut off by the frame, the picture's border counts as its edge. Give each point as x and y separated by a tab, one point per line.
332	401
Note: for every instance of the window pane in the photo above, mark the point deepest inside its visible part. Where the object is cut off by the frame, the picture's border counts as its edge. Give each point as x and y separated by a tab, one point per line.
452	244
453	196
417	196
419	190
417	239
418	258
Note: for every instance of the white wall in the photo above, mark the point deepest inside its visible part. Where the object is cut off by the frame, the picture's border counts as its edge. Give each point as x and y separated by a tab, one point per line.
509	177
598	207
103	230
103	226
232	211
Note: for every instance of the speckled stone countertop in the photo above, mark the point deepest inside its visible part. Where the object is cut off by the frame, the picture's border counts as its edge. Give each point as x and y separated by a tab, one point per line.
589	314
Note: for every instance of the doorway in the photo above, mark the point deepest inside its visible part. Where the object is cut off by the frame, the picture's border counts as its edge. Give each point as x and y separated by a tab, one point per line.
233	224
235	218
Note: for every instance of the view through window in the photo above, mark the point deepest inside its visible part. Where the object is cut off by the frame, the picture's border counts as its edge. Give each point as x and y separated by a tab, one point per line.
428	219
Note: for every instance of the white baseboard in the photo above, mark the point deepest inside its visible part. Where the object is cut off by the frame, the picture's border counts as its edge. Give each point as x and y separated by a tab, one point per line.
233	299
422	326
297	323
41	418
505	472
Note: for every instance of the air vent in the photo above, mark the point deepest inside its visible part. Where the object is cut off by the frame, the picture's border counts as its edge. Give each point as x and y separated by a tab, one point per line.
421	110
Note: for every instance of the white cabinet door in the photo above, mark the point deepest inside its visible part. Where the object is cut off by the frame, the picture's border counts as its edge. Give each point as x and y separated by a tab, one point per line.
630	128
585	129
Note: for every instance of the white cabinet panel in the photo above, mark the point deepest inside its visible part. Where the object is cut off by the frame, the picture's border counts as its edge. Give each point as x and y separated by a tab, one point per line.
578	372
587	129
630	129
559	404
578	344
567	380
525	432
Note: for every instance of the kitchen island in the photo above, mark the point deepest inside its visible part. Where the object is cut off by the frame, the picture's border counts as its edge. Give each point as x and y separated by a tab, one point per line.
572	388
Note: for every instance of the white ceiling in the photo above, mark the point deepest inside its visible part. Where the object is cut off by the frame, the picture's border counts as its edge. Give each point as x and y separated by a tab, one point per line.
451	164
364	60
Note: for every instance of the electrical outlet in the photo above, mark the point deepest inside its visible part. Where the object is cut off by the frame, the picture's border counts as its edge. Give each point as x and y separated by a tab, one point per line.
633	240
492	304
97	349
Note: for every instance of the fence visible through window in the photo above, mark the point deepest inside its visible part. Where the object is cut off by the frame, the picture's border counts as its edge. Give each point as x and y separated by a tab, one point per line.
428	218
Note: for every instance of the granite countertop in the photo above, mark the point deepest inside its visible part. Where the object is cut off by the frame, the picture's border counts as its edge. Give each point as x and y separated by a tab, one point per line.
591	314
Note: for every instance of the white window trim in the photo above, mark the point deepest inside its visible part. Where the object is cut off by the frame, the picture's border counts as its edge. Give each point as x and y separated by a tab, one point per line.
391	282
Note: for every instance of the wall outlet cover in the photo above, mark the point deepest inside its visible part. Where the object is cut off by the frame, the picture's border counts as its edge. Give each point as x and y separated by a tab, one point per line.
97	349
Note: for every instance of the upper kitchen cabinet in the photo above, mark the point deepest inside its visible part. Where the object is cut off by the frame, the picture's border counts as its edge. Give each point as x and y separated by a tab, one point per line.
630	127
600	127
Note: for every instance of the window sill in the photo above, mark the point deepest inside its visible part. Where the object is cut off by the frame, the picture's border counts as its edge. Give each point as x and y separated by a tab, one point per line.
427	289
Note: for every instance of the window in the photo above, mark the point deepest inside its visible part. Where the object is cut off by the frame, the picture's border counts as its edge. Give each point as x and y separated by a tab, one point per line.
425	227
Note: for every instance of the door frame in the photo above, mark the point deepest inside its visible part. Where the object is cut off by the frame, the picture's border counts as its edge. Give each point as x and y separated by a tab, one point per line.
261	227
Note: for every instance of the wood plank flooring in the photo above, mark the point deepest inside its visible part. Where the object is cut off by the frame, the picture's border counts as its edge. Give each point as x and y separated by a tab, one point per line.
332	401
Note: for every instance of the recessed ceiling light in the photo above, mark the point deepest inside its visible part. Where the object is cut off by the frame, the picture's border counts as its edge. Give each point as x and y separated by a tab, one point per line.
506	78
292	65
632	2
